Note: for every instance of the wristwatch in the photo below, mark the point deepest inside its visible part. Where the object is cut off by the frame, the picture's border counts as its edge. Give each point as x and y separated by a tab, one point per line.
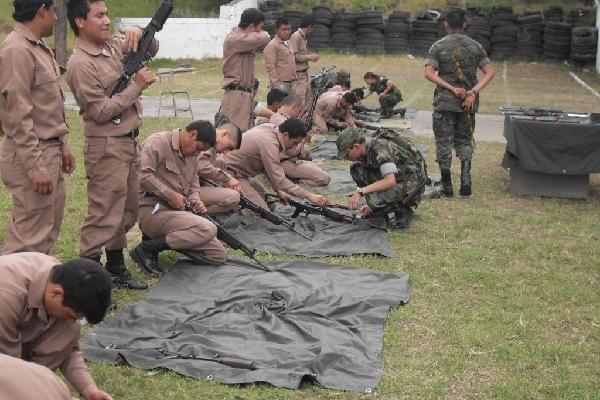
360	191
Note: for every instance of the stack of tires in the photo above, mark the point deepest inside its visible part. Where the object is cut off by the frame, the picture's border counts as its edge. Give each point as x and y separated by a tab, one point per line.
272	11
554	14
423	35
294	17
478	29
397	32
530	40
343	32
504	33
369	36
319	38
557	40
584	44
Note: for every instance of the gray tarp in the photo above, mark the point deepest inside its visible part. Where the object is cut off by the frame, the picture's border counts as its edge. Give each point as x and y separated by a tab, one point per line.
552	147
329	238
303	319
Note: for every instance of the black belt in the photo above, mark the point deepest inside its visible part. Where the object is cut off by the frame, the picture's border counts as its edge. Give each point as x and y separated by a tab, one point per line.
133	134
238	87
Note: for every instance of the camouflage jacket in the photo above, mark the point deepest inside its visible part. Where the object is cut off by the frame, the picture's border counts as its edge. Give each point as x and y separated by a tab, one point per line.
444	56
383	151
381	84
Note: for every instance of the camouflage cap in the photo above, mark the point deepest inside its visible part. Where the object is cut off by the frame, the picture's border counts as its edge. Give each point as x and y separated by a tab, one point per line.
346	140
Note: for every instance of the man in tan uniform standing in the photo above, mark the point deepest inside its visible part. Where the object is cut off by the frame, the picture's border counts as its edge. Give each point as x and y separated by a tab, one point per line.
34	154
298	44
296	166
169	183
262	149
226	197
238	67
333	109
111	127
41	301
279	59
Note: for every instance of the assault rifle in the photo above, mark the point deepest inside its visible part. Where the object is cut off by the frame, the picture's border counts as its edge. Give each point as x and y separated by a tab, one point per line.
229	239
262	212
327	212
549	115
320	89
134	61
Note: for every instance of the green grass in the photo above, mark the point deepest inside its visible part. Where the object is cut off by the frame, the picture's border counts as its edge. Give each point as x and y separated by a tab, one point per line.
505	296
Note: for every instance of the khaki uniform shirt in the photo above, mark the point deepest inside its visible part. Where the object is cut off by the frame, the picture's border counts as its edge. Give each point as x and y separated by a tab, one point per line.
92	74
262	151
209	168
280	62
298	44
165	171
336	89
279	118
26	330
31	99
238	56
23	380
329	108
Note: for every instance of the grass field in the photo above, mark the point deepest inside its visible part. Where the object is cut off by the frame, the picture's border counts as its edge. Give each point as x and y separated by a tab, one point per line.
505	297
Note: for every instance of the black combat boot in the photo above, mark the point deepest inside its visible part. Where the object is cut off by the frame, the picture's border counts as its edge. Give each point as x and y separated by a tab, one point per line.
447	183
115	264
400	218
146	254
95	257
465	178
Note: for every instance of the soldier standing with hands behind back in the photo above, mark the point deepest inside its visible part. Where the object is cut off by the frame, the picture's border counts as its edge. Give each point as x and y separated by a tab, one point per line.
34	153
456	58
111	126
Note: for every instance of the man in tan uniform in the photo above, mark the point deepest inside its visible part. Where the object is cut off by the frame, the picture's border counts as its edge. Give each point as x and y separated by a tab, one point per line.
298	44
262	149
169	183
111	127
28	381
333	109
238	67
41	301
227	196
279	59
274	99
296	166
34	154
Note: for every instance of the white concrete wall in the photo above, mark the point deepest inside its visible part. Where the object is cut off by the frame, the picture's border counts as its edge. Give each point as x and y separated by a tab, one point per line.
195	38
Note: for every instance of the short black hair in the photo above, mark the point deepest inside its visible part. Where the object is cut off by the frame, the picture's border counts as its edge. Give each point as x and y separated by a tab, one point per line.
251	16
370	75
344	82
294	127
86	286
281	21
78	9
291	100
350	97
205	131
275	96
234	131
25	10
455	17
307	20
359	93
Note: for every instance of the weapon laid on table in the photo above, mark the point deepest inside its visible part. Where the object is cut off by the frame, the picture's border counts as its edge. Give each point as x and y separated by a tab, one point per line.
275	219
229	239
549	115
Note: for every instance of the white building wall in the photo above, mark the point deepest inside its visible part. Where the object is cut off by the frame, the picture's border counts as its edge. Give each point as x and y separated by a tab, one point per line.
194	38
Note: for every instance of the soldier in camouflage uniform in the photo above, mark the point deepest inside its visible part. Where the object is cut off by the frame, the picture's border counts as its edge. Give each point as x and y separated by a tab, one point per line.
389	94
456	58
384	172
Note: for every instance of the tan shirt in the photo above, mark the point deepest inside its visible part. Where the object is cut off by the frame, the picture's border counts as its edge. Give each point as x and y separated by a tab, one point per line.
92	74
26	330
238	56
336	89
28	381
261	151
31	99
298	44
165	171
209	168
280	62
279	118
329	108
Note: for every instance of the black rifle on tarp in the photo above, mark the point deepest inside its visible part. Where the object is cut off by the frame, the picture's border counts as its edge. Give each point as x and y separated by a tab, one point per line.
328	212
229	239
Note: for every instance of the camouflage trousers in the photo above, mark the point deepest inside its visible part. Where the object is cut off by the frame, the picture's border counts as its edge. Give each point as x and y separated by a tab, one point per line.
380	202
388	102
451	129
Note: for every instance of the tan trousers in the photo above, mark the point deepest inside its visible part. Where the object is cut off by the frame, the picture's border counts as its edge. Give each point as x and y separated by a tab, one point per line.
237	107
219	200
307	172
35	218
184	231
301	88
112	167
